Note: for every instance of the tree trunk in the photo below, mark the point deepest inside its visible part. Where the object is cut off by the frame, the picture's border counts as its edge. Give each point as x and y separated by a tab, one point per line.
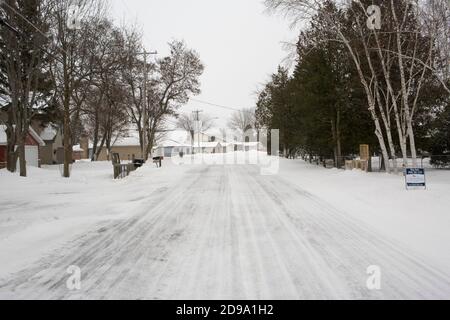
95	143
370	99
339	149
11	158
22	160
67	134
412	143
404	89
99	150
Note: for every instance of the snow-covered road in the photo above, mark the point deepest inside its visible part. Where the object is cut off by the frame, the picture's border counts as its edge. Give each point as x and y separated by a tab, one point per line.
226	232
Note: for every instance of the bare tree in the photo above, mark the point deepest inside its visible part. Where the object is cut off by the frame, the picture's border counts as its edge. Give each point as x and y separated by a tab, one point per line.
242	121
176	78
132	74
70	52
190	124
106	106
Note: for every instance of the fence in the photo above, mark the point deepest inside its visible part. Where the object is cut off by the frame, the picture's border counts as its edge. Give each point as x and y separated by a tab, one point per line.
436	162
121	170
426	162
376	165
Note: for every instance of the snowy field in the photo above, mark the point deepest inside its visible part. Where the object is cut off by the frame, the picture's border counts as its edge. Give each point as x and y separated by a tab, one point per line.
223	231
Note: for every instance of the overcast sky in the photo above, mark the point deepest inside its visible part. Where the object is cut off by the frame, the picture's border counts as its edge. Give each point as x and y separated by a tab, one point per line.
238	42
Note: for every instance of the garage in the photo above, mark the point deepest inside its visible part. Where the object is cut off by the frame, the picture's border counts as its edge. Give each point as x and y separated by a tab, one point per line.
32	143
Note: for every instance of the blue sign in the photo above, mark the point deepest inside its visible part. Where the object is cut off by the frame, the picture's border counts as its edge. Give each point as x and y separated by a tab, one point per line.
415	178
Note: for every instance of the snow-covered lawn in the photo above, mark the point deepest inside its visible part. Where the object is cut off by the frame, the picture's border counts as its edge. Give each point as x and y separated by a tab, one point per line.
44	210
419	218
196	231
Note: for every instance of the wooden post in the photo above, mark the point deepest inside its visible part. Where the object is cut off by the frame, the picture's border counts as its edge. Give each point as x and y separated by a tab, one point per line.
364	154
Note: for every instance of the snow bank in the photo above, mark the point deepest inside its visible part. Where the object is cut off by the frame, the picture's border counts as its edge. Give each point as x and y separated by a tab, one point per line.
43	211
418	218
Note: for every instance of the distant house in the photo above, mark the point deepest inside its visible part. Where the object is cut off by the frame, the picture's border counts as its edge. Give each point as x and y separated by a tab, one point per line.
127	147
210	142
85	148
53	150
173	143
208	147
253	146
32	143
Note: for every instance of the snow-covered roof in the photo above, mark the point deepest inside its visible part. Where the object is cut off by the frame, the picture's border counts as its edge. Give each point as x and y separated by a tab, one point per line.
177	138
77	148
49	133
130	140
252	144
208	144
227	144
3	137
214	133
36	137
172	143
127	142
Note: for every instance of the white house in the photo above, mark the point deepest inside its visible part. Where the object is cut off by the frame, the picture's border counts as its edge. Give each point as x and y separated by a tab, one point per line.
208	147
172	144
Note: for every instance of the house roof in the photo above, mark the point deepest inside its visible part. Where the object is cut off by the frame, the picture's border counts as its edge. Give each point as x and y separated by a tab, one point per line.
177	138
77	148
49	133
3	137
36	137
252	144
130	140
208	144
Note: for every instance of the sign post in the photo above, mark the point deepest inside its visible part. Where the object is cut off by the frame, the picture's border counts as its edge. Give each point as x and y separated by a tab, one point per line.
415	178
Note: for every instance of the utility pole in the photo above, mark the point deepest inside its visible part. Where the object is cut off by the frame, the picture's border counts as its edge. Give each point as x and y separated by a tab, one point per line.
197	119
144	108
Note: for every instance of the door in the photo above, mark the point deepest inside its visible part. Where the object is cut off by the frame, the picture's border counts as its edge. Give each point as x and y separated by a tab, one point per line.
31	156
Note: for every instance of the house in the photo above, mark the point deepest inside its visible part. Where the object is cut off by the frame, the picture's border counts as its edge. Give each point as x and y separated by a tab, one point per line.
178	141
208	147
86	147
78	153
173	143
210	142
32	143
53	150
127	147
253	146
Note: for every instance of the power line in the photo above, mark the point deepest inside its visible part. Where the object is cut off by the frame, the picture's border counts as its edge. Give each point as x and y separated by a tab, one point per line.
221	106
40	47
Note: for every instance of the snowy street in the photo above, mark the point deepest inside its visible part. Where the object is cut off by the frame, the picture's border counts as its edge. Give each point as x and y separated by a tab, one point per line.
219	232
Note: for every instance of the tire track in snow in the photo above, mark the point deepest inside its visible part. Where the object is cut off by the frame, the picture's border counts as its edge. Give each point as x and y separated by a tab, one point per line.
225	232
348	247
105	258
